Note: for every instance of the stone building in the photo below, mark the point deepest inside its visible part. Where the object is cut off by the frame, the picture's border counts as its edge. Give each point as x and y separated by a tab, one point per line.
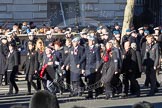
83	12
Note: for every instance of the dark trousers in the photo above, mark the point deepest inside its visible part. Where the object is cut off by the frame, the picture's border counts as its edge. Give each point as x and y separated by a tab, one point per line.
91	79
151	74
1	77
11	81
38	84
44	83
147	81
30	83
134	83
108	89
67	76
116	84
6	79
75	89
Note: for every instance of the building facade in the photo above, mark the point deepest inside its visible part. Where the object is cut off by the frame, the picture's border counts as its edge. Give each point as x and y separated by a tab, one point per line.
71	12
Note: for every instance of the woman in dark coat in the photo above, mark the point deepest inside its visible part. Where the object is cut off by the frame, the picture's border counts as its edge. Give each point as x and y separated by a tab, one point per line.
58	53
48	71
40	52
110	67
3	54
2	68
12	68
31	66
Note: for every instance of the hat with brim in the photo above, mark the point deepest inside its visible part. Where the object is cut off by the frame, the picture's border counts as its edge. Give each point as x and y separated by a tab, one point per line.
83	32
13	31
76	39
30	34
156	28
67	32
3	37
10	33
48	32
133	31
106	33
141	28
92	38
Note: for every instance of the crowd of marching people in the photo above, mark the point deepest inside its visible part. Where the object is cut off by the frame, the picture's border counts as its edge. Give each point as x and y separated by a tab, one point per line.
95	60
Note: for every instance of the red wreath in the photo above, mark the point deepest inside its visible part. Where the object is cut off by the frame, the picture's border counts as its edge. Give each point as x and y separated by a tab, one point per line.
44	67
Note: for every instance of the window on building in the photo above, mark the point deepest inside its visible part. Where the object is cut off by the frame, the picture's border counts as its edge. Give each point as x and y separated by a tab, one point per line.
147	12
63	13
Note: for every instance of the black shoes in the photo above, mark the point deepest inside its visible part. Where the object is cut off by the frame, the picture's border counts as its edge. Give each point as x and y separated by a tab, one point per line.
151	94
29	93
9	94
89	97
75	94
123	95
16	92
110	96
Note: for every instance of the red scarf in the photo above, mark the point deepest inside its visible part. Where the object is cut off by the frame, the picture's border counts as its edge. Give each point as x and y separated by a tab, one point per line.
42	70
106	56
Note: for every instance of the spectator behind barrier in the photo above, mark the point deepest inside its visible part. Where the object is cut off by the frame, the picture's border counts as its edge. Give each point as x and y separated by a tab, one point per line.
143	104
43	99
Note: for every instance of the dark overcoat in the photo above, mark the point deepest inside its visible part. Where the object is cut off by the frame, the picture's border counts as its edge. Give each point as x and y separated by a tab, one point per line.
12	62
132	62
92	59
2	64
31	63
72	60
109	68
151	57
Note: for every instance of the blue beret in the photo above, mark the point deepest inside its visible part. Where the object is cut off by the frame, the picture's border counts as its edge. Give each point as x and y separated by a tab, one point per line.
98	28
146	31
116	32
128	30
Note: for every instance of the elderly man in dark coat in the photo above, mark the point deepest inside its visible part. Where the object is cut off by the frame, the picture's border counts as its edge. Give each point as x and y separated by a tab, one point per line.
129	70
151	61
92	59
75	55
